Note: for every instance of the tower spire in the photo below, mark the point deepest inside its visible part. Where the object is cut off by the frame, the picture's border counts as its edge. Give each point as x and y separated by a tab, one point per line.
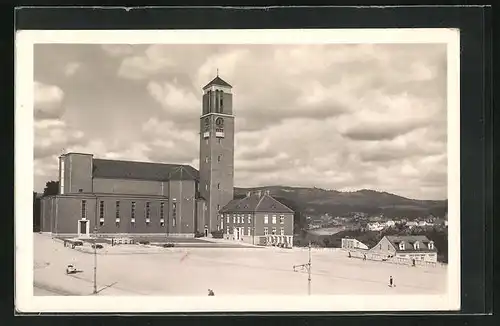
217	72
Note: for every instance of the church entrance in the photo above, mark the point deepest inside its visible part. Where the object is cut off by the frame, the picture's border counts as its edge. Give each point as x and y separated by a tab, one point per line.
83	228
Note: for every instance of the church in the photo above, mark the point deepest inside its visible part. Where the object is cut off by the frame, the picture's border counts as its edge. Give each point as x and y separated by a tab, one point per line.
126	198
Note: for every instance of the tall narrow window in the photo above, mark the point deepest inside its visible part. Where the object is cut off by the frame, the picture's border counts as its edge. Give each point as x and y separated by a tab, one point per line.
84	209
219	158
148	211
282	231
282	219
206	159
249	230
274	219
132	210
266	231
266	219
117	209
221	103
274	231
249	218
101	213
218	186
174	213
234	218
218	207
227	218
162	210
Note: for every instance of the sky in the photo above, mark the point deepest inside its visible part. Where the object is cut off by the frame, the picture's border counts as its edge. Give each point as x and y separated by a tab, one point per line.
333	116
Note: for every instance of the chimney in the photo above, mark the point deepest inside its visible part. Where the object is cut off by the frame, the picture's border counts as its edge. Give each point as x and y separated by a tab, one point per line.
259	193
267	192
249	193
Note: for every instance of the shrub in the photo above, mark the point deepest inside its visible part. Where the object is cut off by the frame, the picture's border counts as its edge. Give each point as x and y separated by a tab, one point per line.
144	242
198	234
218	234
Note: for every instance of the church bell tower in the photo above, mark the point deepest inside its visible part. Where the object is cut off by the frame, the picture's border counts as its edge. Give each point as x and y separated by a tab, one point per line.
216	151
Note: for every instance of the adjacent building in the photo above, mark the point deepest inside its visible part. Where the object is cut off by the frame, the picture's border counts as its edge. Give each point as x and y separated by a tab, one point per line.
353	244
416	247
114	197
258	219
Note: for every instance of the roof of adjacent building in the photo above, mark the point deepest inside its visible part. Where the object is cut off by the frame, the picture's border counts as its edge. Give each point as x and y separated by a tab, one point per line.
256	203
116	169
409	241
217	81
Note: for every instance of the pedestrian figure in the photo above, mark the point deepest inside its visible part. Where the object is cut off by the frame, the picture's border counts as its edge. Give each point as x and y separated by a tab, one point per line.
364	256
211	293
413	260
391	281
349	254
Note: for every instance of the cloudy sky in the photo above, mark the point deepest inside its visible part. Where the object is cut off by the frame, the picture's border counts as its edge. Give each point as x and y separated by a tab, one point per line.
343	117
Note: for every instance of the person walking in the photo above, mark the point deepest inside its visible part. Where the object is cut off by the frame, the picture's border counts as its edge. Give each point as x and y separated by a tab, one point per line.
211	293
391	282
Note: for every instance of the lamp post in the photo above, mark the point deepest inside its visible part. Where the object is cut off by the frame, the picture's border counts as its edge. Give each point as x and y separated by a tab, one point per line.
95	260
308	268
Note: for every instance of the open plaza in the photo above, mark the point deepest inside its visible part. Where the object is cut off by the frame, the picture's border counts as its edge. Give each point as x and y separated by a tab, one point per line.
193	266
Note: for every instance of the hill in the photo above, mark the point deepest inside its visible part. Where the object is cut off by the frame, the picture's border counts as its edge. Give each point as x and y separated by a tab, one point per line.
316	201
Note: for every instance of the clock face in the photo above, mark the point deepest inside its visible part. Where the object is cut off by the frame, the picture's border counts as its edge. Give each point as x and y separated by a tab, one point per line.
219	122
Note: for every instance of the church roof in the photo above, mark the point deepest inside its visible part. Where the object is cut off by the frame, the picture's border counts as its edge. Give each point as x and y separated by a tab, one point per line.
116	169
256	203
217	81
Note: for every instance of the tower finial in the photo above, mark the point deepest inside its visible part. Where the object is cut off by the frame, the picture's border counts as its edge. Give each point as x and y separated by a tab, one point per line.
217	72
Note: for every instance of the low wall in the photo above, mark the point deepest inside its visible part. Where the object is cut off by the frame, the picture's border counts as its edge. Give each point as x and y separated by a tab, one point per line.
361	254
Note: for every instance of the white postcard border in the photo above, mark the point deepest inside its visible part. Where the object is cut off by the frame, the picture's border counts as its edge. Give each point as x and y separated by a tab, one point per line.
25	301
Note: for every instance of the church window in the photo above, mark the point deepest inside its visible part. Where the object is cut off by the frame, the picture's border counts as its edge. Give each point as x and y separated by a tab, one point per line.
249	218
282	231
218	186
227	218
219	158
274	219
148	210
274	231
234	218
84	209
249	230
132	211
282	219
218	207
266	219
206	159
238	218
431	245
162	210
206	187
117	208
101	213
266	231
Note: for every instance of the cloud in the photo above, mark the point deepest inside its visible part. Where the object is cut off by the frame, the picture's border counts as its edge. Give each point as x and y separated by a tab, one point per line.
117	50
48	100
334	116
71	68
54	137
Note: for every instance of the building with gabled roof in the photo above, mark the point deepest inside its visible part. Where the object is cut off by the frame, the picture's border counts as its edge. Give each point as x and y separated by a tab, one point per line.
259	219
417	247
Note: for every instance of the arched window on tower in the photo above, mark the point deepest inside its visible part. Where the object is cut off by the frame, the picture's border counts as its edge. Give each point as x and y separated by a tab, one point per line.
221	102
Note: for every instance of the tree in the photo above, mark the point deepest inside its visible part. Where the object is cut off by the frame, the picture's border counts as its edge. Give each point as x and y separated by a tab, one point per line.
51	188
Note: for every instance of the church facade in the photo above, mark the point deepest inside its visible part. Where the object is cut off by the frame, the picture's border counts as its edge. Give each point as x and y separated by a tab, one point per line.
113	198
